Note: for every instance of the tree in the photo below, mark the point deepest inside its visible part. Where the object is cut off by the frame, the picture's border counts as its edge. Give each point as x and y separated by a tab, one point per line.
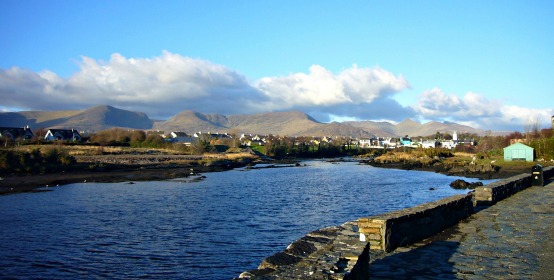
154	140
137	136
202	144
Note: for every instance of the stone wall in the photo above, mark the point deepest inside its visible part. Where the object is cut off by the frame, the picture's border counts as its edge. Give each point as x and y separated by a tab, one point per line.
499	190
343	252
399	228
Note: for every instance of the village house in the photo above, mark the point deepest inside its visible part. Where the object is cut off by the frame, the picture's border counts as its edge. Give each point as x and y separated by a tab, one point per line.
364	142
448	144
327	139
250	140
15	133
405	141
62	134
389	143
429	144
180	137
212	135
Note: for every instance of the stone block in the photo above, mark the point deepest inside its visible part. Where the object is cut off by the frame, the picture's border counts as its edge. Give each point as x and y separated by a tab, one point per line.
370	230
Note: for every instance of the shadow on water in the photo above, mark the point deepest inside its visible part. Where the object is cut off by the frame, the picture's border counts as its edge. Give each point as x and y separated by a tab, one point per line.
431	261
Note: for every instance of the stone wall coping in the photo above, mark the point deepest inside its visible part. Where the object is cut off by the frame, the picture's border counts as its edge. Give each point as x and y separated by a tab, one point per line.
407	212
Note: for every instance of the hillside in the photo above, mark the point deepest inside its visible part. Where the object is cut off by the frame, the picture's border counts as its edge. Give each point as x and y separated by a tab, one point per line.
190	122
336	129
412	128
104	117
92	119
381	129
278	123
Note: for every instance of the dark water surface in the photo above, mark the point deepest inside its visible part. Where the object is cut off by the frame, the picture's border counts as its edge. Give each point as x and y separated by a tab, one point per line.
213	229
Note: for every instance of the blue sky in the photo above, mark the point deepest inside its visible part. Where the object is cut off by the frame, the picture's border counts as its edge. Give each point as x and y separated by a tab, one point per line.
488	64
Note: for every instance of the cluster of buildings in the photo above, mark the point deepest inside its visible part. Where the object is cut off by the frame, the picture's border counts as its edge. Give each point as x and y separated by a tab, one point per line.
25	133
391	143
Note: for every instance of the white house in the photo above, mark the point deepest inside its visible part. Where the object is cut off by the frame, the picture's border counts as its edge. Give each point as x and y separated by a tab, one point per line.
181	137
62	134
389	142
364	142
450	144
429	144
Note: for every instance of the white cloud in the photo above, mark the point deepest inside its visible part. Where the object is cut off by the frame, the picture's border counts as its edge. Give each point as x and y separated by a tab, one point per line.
164	85
161	86
477	111
320	87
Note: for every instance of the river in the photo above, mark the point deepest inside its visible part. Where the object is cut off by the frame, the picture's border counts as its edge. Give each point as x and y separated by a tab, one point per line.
212	229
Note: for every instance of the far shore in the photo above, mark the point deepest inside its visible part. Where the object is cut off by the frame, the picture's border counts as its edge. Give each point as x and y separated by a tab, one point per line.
504	172
17	183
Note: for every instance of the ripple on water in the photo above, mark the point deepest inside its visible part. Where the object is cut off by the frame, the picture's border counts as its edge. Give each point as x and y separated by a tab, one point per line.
212	229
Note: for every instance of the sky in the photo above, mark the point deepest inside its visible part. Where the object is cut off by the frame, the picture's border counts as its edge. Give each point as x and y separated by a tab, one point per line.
487	64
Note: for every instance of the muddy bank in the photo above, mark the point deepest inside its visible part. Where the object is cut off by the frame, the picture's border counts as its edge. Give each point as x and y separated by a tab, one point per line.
121	169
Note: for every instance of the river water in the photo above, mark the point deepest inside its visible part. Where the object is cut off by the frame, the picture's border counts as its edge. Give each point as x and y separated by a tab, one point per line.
212	229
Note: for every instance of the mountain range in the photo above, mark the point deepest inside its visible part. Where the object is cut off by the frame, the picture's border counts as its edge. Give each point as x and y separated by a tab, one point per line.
278	123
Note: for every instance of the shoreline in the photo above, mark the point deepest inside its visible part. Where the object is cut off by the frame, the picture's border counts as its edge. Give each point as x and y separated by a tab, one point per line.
19	183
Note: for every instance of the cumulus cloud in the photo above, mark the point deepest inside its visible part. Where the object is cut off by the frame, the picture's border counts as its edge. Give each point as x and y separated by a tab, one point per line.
165	85
320	87
161	86
475	110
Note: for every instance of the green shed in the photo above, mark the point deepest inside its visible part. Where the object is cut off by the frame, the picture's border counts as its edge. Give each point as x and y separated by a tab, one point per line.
519	151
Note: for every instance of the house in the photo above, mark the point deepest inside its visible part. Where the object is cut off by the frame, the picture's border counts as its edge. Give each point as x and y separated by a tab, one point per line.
429	144
389	143
212	135
519	151
180	137
62	134
15	133
448	144
405	141
364	142
327	139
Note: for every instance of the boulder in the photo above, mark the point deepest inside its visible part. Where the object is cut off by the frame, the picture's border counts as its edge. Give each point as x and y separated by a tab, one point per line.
462	185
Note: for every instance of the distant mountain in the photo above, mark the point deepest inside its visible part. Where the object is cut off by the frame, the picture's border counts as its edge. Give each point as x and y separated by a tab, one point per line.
191	122
413	128
277	123
104	117
92	119
381	129
337	129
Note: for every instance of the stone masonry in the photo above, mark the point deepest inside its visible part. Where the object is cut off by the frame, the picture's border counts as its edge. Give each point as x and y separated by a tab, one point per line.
399	228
